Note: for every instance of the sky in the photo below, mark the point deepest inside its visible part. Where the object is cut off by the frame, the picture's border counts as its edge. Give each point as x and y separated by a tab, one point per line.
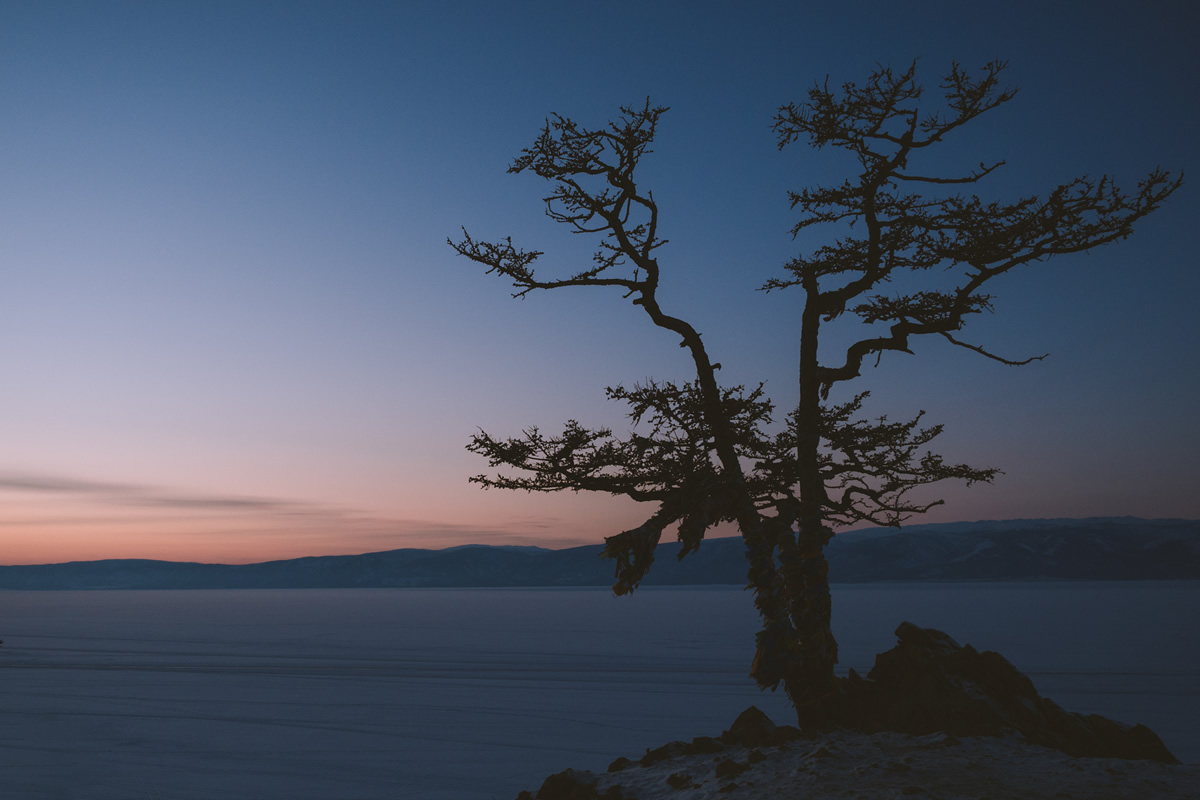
231	329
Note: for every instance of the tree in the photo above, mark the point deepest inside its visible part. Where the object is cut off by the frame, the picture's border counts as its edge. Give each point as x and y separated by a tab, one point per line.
702	454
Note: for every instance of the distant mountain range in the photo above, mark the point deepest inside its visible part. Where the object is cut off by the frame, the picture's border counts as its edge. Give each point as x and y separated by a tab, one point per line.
1103	548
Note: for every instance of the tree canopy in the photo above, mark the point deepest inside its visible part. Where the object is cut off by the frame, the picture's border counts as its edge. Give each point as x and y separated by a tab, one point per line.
701	453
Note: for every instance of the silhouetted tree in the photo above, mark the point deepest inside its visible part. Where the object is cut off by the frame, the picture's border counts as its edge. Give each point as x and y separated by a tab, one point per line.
701	453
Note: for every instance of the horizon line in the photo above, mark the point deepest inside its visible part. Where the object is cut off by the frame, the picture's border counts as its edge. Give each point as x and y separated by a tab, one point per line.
881	530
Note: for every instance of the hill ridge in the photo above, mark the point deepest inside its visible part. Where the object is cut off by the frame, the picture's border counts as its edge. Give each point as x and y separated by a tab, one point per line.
1095	548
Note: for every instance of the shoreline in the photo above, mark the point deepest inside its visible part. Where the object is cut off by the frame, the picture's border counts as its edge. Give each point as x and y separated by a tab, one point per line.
848	764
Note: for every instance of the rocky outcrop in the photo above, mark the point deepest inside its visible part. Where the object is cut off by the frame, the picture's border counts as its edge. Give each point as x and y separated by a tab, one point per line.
834	765
572	784
930	683
928	687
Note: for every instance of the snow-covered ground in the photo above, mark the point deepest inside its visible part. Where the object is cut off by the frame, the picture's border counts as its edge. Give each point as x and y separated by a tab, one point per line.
476	694
891	766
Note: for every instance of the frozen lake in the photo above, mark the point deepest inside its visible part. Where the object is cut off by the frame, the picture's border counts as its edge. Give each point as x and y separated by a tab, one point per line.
477	694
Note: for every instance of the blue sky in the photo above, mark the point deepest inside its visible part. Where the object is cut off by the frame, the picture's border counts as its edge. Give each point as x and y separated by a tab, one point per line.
231	328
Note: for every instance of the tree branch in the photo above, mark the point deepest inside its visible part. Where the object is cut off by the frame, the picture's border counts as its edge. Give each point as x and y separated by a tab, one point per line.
993	356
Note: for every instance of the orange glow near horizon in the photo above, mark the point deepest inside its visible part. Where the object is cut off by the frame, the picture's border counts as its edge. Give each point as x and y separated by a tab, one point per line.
55	519
241	540
64	520
236	544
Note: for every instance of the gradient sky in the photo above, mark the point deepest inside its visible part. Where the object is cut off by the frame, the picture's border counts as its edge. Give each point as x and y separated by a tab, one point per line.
231	329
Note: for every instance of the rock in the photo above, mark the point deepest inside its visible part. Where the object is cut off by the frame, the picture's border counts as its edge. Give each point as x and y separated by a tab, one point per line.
728	768
620	763
570	784
847	763
668	750
680	780
574	785
705	745
785	734
930	683
752	728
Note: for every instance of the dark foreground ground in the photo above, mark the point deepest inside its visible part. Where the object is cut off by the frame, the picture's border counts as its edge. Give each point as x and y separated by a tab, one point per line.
888	765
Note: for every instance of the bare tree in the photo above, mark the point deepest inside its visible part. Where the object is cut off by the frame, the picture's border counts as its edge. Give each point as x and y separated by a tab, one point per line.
701	453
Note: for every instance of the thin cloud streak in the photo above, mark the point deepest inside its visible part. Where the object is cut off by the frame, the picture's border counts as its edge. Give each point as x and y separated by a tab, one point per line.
145	496
293	527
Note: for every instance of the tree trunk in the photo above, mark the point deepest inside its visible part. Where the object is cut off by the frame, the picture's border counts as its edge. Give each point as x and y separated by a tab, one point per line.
810	681
796	644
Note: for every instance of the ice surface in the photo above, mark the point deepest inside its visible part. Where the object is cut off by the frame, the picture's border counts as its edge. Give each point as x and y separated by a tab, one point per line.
480	693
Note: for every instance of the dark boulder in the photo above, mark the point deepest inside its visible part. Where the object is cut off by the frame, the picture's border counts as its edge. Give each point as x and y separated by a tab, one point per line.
930	683
752	728
665	753
573	784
